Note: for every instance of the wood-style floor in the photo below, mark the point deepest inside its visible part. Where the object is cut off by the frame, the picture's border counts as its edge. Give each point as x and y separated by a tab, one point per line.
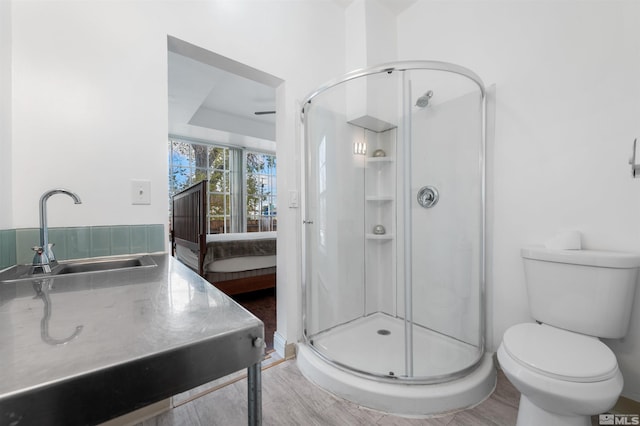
289	399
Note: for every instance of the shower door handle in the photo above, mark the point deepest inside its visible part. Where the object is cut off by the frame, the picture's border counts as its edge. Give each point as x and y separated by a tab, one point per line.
635	168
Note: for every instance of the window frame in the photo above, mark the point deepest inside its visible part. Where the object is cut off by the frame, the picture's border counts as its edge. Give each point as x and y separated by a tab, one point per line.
234	186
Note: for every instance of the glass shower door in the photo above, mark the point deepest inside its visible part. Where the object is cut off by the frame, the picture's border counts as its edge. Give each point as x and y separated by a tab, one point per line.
446	221
350	226
333	223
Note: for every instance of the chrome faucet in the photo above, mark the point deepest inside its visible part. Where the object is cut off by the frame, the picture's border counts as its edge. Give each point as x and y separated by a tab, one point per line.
44	257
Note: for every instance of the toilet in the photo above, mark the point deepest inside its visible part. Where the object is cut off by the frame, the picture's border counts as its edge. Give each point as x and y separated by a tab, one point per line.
564	373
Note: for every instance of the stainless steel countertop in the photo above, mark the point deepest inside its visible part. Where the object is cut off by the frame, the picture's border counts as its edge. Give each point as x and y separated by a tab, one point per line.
141	335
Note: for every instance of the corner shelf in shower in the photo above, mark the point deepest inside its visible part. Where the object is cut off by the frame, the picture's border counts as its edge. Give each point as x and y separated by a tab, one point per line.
380	237
379	160
379	198
380	195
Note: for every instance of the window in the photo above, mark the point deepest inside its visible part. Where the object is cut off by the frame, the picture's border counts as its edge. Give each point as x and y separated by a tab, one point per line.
220	183
261	192
230	189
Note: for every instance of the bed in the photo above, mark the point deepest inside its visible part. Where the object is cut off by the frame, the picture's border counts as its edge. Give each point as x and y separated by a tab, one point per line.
234	263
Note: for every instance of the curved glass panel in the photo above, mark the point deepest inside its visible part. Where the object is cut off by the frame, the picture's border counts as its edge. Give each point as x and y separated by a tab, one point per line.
393	289
447	238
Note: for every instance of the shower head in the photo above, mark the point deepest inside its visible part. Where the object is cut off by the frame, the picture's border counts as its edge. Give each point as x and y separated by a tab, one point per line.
423	100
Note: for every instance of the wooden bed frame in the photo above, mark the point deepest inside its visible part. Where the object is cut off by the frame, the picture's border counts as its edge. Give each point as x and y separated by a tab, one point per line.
189	229
189	221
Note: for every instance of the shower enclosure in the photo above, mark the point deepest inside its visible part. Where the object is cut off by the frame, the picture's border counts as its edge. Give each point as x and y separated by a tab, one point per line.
393	276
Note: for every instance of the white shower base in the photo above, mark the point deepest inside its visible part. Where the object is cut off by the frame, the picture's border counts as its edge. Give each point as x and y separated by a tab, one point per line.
359	345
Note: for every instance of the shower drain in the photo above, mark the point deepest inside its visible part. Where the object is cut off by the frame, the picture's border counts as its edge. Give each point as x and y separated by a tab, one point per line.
384	332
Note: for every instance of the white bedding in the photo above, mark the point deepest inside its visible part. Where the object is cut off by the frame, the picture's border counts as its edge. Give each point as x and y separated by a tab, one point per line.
236	264
242	236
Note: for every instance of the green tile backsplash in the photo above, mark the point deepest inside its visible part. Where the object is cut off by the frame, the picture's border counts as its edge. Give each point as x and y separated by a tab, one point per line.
81	242
100	241
7	248
25	239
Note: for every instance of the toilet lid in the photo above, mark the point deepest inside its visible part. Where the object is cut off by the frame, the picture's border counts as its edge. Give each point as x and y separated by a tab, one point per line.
559	353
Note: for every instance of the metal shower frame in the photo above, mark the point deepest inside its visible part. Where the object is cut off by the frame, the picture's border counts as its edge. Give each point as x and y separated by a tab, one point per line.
389	68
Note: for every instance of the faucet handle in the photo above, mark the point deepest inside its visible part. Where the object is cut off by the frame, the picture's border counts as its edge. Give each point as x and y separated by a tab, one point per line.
41	260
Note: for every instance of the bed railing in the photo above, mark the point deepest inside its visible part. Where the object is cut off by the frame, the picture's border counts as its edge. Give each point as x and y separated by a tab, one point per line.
189	220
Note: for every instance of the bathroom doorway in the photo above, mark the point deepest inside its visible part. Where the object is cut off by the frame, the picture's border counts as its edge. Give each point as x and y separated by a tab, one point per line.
221	128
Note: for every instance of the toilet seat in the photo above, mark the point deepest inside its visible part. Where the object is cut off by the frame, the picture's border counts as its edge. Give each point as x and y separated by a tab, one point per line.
560	354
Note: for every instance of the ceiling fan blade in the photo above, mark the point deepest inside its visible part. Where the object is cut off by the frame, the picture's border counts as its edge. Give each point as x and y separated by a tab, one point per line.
264	112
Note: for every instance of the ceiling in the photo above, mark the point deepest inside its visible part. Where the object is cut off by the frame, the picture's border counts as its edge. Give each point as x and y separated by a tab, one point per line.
215	98
208	91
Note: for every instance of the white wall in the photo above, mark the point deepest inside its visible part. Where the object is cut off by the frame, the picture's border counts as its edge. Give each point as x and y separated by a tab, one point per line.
370	34
6	219
370	40
567	108
90	103
380	32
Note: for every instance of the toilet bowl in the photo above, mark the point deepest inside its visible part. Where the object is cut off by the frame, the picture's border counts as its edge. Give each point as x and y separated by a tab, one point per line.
563	377
564	373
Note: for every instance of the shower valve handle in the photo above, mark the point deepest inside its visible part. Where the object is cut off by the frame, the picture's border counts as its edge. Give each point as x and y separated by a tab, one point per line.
428	196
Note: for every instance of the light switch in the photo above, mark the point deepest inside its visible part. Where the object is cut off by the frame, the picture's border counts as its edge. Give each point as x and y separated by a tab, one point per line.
140	192
293	199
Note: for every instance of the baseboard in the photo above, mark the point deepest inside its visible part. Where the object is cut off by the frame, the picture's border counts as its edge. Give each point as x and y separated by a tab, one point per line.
279	344
281	347
290	351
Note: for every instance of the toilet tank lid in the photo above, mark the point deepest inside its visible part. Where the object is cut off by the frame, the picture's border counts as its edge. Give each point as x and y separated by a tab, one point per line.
598	258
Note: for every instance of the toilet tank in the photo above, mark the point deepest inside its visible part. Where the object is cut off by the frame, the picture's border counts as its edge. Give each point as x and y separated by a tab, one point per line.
586	291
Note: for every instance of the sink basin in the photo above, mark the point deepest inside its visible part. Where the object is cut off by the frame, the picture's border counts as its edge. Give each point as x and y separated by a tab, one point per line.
102	265
80	266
